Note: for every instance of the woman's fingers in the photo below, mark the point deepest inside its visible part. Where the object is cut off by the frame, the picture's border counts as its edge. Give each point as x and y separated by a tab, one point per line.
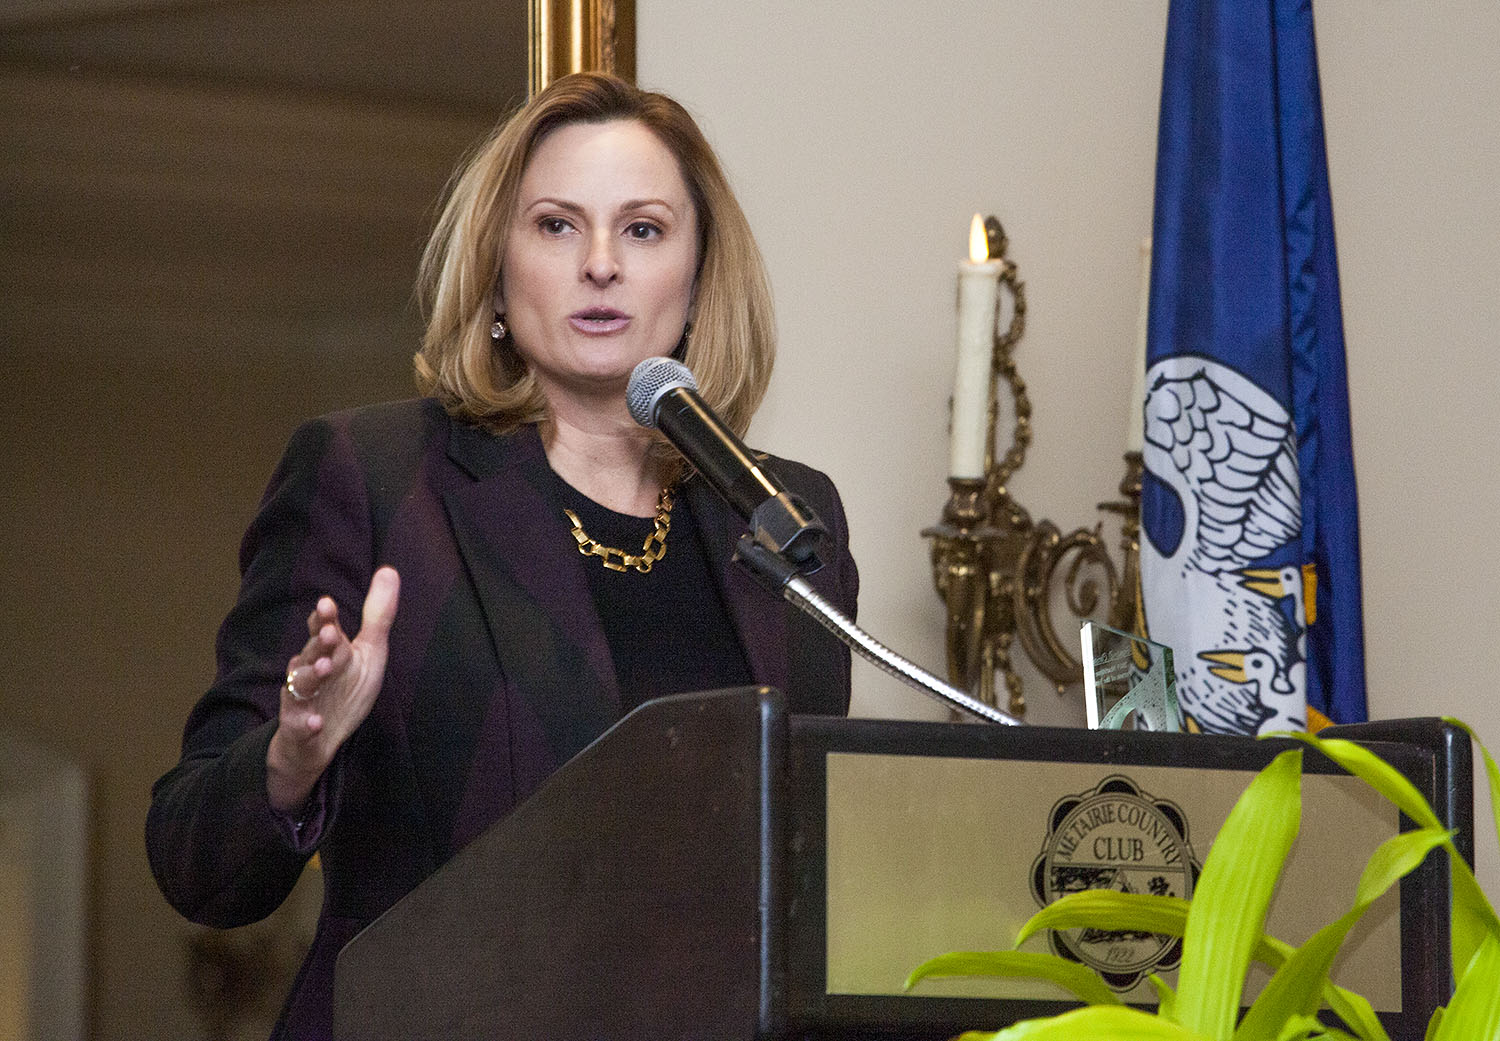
329	656
324	612
326	652
331	685
336	662
380	608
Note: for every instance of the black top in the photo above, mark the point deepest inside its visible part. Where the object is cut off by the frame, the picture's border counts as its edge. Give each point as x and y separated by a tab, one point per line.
668	630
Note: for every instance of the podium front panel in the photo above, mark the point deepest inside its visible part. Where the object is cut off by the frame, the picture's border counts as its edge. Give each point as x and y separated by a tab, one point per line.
903	852
713	870
628	898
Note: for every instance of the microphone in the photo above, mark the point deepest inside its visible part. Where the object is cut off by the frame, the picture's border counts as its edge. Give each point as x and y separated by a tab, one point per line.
663	395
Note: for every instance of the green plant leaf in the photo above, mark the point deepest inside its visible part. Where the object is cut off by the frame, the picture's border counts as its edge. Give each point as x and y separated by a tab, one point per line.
1078	979
1107	909
1490	769
1434	1024
1356	1012
1472	917
1095	1023
1166	997
1354	1009
1473	1014
1295	989
1228	910
1376	772
1298	1027
1111	909
1310	1028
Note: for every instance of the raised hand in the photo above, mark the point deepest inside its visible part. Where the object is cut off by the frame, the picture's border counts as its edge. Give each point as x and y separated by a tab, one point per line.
331	686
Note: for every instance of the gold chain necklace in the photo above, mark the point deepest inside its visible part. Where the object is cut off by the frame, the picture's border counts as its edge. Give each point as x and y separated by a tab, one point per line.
652	550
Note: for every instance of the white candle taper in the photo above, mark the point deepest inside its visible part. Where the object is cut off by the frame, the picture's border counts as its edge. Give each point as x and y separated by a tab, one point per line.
978	283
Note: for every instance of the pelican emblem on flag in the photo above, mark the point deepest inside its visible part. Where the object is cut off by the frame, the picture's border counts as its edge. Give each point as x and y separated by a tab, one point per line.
1225	591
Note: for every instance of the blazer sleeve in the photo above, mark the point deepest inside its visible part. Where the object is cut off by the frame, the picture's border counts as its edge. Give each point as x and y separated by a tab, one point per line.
222	855
843	575
842	587
821	661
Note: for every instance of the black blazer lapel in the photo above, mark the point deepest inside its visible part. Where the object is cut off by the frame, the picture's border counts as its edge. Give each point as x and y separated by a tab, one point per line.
529	577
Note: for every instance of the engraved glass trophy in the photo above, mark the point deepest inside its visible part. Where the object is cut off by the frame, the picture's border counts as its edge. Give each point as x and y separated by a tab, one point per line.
1128	683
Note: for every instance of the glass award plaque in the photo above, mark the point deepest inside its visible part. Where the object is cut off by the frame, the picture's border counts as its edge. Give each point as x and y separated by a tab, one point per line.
1128	682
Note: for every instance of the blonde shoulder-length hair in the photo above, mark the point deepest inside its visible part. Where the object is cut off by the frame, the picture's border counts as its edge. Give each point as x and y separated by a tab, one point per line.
733	342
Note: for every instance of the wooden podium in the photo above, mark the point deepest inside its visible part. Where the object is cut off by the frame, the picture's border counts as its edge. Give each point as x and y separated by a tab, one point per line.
712	868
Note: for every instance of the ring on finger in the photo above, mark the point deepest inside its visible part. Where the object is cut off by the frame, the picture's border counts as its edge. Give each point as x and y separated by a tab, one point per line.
291	687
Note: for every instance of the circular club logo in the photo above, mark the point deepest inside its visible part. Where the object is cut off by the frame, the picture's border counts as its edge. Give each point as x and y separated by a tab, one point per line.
1116	837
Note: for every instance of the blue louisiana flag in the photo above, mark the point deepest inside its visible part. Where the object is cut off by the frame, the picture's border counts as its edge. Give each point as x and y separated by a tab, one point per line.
1250	560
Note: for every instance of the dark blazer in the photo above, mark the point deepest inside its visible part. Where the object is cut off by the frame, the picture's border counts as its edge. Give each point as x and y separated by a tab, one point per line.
499	669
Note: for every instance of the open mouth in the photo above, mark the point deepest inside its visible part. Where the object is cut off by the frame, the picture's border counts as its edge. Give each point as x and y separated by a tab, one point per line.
599	319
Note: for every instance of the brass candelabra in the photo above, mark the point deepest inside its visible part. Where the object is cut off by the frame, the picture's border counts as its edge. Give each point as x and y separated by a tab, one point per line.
1001	574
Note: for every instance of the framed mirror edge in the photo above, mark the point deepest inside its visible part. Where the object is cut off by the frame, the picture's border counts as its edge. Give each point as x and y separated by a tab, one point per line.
578	36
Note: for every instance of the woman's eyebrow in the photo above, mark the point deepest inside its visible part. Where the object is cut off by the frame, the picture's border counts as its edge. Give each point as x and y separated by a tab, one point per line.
573	207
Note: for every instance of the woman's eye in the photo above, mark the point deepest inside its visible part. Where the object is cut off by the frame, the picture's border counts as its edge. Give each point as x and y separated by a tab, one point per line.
553	225
643	230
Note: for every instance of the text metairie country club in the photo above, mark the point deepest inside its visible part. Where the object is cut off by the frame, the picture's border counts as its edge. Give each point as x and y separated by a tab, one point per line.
1153	828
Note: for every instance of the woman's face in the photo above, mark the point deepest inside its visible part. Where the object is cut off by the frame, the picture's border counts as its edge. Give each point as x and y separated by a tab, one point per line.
599	267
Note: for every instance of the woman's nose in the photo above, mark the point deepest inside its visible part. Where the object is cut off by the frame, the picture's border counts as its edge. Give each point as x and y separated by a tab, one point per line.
601	265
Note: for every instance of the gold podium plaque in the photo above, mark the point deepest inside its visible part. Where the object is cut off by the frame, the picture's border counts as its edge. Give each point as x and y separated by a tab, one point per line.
912	874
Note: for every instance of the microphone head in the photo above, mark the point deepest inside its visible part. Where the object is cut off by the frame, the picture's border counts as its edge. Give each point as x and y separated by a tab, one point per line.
649	381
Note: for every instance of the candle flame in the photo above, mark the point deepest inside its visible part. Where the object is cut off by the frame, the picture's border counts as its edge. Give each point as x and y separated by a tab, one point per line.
979	242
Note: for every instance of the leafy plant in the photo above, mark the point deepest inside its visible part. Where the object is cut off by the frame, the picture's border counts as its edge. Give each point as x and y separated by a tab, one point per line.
1223	931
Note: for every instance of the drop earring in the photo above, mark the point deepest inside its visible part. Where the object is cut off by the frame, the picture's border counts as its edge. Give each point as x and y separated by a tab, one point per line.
498	330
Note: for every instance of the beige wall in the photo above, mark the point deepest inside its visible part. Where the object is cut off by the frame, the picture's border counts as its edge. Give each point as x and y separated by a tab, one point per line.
861	137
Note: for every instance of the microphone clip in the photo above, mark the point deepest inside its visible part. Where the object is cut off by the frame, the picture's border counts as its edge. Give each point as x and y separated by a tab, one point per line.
773	571
787	527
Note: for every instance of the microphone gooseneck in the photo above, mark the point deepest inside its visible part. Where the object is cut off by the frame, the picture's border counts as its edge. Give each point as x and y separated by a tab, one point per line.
779	549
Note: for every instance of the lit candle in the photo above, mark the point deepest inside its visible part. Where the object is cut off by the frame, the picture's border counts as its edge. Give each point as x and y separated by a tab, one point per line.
977	285
1135	421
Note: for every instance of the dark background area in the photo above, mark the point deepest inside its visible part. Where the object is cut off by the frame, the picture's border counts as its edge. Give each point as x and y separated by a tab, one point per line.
210	221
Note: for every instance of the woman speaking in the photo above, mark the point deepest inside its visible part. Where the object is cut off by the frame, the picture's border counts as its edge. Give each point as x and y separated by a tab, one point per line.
444	599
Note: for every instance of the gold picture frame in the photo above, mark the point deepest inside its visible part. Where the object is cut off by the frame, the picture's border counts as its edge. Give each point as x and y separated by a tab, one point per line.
579	36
